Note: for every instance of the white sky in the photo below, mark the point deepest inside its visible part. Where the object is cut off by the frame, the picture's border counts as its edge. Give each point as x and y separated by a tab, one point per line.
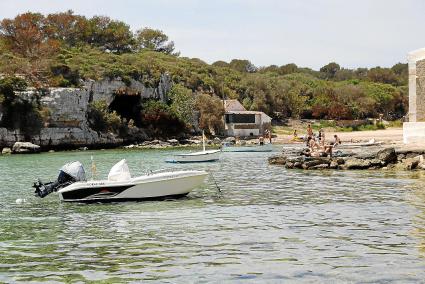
309	33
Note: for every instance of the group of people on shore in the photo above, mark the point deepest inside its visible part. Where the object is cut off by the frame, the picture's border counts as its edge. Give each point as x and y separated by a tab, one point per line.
267	135
317	146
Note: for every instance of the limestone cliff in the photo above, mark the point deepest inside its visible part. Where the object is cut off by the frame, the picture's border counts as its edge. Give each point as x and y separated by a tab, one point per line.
67	125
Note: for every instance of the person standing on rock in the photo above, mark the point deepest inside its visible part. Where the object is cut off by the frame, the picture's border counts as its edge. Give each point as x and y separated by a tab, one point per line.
269	133
322	137
309	131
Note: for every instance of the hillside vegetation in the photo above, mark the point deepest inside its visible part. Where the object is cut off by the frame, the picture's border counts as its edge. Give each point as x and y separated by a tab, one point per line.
62	49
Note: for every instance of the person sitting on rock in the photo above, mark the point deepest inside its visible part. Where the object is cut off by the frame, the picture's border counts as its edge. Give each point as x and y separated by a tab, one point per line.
337	141
317	150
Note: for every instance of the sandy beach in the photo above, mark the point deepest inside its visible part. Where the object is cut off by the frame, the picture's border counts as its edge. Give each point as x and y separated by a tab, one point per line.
389	136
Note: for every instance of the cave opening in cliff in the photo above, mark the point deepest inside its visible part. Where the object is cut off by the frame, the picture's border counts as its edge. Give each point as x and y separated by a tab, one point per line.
128	107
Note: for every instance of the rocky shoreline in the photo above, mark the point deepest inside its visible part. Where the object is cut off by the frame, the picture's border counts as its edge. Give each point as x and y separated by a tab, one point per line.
196	141
364	158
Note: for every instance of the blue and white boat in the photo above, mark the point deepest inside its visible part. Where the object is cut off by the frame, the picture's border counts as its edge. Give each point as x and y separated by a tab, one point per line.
255	148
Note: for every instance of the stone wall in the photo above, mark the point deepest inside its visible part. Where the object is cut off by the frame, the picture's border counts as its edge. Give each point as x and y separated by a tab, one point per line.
420	90
68	125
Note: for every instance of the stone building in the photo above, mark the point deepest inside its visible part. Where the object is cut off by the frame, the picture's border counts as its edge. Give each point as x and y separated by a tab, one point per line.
414	129
243	123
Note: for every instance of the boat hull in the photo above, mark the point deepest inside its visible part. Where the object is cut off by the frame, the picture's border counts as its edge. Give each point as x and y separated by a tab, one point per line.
155	186
258	148
197	157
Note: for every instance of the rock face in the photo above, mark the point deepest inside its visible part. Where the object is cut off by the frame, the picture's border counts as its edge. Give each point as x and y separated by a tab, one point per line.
25	147
370	159
67	124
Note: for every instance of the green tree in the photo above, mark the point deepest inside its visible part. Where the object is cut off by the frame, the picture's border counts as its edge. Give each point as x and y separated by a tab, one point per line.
26	35
155	40
241	65
211	112
160	120
382	75
68	28
110	35
330	69
288	69
183	103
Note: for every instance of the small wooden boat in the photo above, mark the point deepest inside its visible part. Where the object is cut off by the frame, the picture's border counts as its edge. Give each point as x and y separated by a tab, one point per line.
254	148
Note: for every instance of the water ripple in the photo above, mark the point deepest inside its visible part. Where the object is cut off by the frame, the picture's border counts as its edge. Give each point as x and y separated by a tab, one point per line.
267	225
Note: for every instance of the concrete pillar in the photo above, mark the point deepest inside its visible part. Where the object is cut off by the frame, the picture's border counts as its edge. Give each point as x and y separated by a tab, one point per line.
414	130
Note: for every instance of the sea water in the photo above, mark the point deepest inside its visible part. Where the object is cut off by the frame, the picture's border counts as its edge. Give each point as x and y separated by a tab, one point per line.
268	224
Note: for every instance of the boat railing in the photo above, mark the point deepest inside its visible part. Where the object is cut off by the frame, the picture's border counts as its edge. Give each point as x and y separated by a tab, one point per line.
151	172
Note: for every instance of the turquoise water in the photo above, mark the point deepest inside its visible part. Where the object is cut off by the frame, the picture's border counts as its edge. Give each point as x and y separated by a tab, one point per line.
268	225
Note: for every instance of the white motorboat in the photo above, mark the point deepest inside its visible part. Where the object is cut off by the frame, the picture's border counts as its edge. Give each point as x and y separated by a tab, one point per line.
196	157
72	186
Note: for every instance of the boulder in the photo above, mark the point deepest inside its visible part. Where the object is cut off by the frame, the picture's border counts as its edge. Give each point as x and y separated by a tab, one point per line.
25	147
6	151
376	163
412	163
401	157
355	164
333	165
387	156
315	162
277	160
289	165
216	140
173	142
230	140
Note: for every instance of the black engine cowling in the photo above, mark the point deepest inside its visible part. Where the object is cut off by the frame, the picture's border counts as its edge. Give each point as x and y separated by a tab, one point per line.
44	189
68	174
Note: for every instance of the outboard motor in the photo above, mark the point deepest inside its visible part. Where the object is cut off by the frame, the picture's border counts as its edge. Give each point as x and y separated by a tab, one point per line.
68	174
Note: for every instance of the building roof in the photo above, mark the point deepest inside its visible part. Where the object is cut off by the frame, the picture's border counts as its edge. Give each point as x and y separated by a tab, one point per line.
233	105
246	112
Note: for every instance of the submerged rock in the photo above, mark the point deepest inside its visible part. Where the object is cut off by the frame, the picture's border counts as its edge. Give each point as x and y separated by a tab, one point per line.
356	164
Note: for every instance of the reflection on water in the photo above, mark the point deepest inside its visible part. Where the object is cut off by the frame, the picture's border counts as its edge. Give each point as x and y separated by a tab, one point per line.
267	225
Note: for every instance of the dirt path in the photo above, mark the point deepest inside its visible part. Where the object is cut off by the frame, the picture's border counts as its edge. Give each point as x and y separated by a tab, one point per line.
391	135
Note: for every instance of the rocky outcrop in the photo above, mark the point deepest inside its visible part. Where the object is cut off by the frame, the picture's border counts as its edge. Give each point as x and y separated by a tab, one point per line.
25	148
67	125
375	158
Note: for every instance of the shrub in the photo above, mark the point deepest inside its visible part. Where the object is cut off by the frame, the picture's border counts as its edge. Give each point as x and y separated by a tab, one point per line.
18	113
101	119
160	119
